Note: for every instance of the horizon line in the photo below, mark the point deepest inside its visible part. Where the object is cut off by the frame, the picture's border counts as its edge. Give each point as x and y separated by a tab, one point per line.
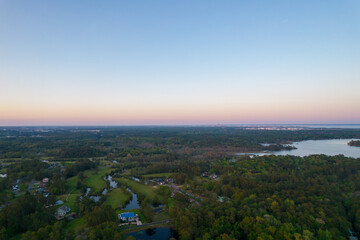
178	125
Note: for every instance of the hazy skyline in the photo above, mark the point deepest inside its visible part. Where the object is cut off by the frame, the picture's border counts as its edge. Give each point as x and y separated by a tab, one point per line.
179	62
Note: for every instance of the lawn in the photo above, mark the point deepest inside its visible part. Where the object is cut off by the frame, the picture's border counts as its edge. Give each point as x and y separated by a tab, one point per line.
117	198
95	178
76	224
72	182
139	188
161	216
158	175
69	199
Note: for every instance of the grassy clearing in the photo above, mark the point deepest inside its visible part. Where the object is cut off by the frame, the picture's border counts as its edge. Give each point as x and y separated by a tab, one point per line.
139	188
161	216
69	199
95	178
72	182
158	175
76	224
117	198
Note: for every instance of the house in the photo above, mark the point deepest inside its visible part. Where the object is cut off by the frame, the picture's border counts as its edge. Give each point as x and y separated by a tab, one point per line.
62	211
128	216
16	187
170	180
223	199
45	180
160	181
214	176
42	185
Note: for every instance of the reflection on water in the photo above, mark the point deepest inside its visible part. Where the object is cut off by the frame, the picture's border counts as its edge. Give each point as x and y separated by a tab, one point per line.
154	233
113	184
134	203
95	198
87	191
328	147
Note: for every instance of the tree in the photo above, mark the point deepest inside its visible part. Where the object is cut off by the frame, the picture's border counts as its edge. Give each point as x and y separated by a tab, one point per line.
147	211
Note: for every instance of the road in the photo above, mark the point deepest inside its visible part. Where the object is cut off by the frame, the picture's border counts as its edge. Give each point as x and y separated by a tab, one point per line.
147	224
31	185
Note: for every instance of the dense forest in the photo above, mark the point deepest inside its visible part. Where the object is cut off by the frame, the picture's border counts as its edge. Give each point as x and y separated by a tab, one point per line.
277	198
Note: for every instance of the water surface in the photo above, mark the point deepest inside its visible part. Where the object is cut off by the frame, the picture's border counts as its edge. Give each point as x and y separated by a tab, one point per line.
328	147
153	233
134	203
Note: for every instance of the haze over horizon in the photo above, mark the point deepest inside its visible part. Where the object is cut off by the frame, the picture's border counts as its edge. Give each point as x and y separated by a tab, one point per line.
179	63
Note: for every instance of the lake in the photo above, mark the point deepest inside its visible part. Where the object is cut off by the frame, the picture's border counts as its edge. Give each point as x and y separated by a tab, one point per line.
153	233
328	147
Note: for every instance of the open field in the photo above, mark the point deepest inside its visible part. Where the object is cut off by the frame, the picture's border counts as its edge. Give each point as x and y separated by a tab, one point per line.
71	182
69	199
139	188
76	224
117	198
95	179
161	216
158	175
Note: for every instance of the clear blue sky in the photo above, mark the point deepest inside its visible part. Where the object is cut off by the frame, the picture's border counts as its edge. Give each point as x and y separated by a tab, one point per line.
179	62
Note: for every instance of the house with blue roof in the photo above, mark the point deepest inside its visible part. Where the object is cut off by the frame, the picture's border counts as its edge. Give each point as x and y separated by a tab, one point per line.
128	216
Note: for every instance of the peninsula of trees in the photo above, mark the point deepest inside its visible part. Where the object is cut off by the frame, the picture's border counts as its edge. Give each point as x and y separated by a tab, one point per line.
354	143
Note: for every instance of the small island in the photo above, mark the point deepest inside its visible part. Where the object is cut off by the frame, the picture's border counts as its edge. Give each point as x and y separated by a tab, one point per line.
278	147
354	143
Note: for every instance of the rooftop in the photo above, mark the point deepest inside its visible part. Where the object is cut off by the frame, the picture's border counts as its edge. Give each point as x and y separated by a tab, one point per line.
127	215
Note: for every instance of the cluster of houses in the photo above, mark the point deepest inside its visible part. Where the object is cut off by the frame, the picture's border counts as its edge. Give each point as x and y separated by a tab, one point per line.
43	187
156	180
192	197
212	176
161	181
54	165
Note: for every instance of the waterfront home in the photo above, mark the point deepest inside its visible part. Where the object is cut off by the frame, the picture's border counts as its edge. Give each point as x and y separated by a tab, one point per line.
128	216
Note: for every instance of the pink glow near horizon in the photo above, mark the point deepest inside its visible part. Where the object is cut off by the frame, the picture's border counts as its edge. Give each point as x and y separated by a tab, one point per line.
139	115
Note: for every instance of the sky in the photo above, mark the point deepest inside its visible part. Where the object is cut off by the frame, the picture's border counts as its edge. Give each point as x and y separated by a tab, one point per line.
179	62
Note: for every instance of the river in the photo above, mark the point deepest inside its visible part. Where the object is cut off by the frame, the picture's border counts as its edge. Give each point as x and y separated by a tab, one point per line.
134	203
